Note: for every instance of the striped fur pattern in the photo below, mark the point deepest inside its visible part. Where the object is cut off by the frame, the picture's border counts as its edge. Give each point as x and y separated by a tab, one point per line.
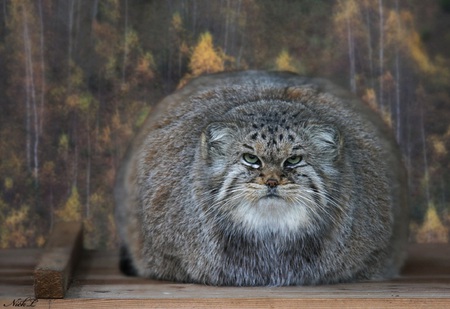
262	178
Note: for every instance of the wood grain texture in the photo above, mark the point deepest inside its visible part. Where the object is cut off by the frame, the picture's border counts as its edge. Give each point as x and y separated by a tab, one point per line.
97	283
62	252
227	303
425	281
16	272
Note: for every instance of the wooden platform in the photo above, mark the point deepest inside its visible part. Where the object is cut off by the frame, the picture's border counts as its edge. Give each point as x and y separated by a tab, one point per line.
97	283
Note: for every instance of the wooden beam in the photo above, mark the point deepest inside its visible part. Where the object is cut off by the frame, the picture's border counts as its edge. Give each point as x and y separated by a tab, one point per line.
53	272
260	303
98	283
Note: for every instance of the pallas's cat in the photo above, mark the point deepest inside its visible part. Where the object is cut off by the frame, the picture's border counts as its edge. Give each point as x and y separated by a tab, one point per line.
262	178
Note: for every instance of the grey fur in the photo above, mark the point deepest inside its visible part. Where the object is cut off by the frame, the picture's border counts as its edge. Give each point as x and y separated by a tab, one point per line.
192	208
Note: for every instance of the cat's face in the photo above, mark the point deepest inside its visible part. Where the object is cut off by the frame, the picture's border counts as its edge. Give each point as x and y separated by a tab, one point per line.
272	175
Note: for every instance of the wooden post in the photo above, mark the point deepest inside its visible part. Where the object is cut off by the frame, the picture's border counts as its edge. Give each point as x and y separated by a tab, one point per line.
54	270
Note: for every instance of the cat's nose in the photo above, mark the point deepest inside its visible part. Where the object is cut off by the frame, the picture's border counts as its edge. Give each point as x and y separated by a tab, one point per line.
272	183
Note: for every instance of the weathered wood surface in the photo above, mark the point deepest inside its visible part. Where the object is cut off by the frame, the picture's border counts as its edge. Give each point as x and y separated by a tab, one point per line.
425	282
61	254
16	272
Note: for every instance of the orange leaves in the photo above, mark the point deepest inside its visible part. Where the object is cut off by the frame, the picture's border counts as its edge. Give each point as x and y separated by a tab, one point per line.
16	230
401	33
438	146
284	62
370	98
82	102
145	69
419	55
177	22
432	229
205	58
71	211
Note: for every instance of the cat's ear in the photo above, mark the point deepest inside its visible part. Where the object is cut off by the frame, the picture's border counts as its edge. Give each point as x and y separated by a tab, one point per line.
327	139
216	138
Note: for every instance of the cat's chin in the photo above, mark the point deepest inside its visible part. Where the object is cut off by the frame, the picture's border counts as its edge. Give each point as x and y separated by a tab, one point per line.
273	197
272	213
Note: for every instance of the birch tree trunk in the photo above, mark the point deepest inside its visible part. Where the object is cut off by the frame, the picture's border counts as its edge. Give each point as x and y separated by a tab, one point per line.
381	53
125	44
397	80
351	55
69	50
88	170
397	97
421	99
43	82
31	103
369	44
227	26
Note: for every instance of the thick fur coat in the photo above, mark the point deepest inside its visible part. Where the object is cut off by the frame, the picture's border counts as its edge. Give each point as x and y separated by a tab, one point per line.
262	178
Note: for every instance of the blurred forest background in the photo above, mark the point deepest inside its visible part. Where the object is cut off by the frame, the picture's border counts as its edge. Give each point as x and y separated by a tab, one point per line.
78	78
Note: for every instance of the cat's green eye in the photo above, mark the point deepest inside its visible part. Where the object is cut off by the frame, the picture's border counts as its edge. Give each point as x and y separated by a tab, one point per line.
292	161
251	160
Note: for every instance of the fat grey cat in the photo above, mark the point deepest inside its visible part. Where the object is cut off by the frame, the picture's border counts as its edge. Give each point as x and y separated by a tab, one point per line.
262	178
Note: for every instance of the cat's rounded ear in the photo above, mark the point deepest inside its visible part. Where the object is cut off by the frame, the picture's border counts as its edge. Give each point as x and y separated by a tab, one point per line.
216	138
327	139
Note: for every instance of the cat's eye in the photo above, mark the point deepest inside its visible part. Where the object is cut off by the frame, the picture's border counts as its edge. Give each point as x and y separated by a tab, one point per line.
251	160
293	161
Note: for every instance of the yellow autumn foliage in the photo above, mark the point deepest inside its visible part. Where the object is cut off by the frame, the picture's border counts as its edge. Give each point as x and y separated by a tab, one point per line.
401	31
144	68
370	98
100	233
438	145
205	59
76	75
8	183
72	209
15	231
419	54
177	22
432	229
284	62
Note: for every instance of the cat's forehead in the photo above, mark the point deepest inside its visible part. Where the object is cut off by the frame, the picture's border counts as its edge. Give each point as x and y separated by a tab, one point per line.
280	122
272	125
274	133
271	134
279	114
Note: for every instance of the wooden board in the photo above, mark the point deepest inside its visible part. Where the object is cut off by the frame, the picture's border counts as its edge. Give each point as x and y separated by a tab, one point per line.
58	261
239	303
425	282
16	272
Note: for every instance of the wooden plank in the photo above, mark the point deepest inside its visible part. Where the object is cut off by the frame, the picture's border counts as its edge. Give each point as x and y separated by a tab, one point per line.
158	291
426	274
53	272
227	303
236	303
16	266
16	272
97	283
